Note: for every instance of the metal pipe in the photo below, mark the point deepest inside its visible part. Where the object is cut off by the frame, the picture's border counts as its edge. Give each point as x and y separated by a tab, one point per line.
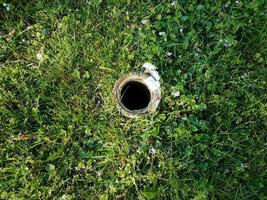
138	93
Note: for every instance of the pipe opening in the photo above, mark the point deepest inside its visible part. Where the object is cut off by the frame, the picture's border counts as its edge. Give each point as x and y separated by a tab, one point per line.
135	95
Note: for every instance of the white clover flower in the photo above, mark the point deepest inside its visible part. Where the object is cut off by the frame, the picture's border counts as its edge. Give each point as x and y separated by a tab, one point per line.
162	33
237	2
39	56
243	165
198	49
173	3
63	197
226	43
181	30
244	76
176	94
153	151
168	53
144	21
7	6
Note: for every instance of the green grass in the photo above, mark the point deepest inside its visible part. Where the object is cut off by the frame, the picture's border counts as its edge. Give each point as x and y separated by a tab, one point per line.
61	136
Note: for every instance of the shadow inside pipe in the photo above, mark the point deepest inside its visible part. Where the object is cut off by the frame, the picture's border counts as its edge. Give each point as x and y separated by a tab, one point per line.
135	95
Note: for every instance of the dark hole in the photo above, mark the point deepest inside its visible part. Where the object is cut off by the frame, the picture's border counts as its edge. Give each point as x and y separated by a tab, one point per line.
135	95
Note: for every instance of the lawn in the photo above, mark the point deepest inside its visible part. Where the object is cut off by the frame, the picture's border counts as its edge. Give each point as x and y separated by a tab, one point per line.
61	135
